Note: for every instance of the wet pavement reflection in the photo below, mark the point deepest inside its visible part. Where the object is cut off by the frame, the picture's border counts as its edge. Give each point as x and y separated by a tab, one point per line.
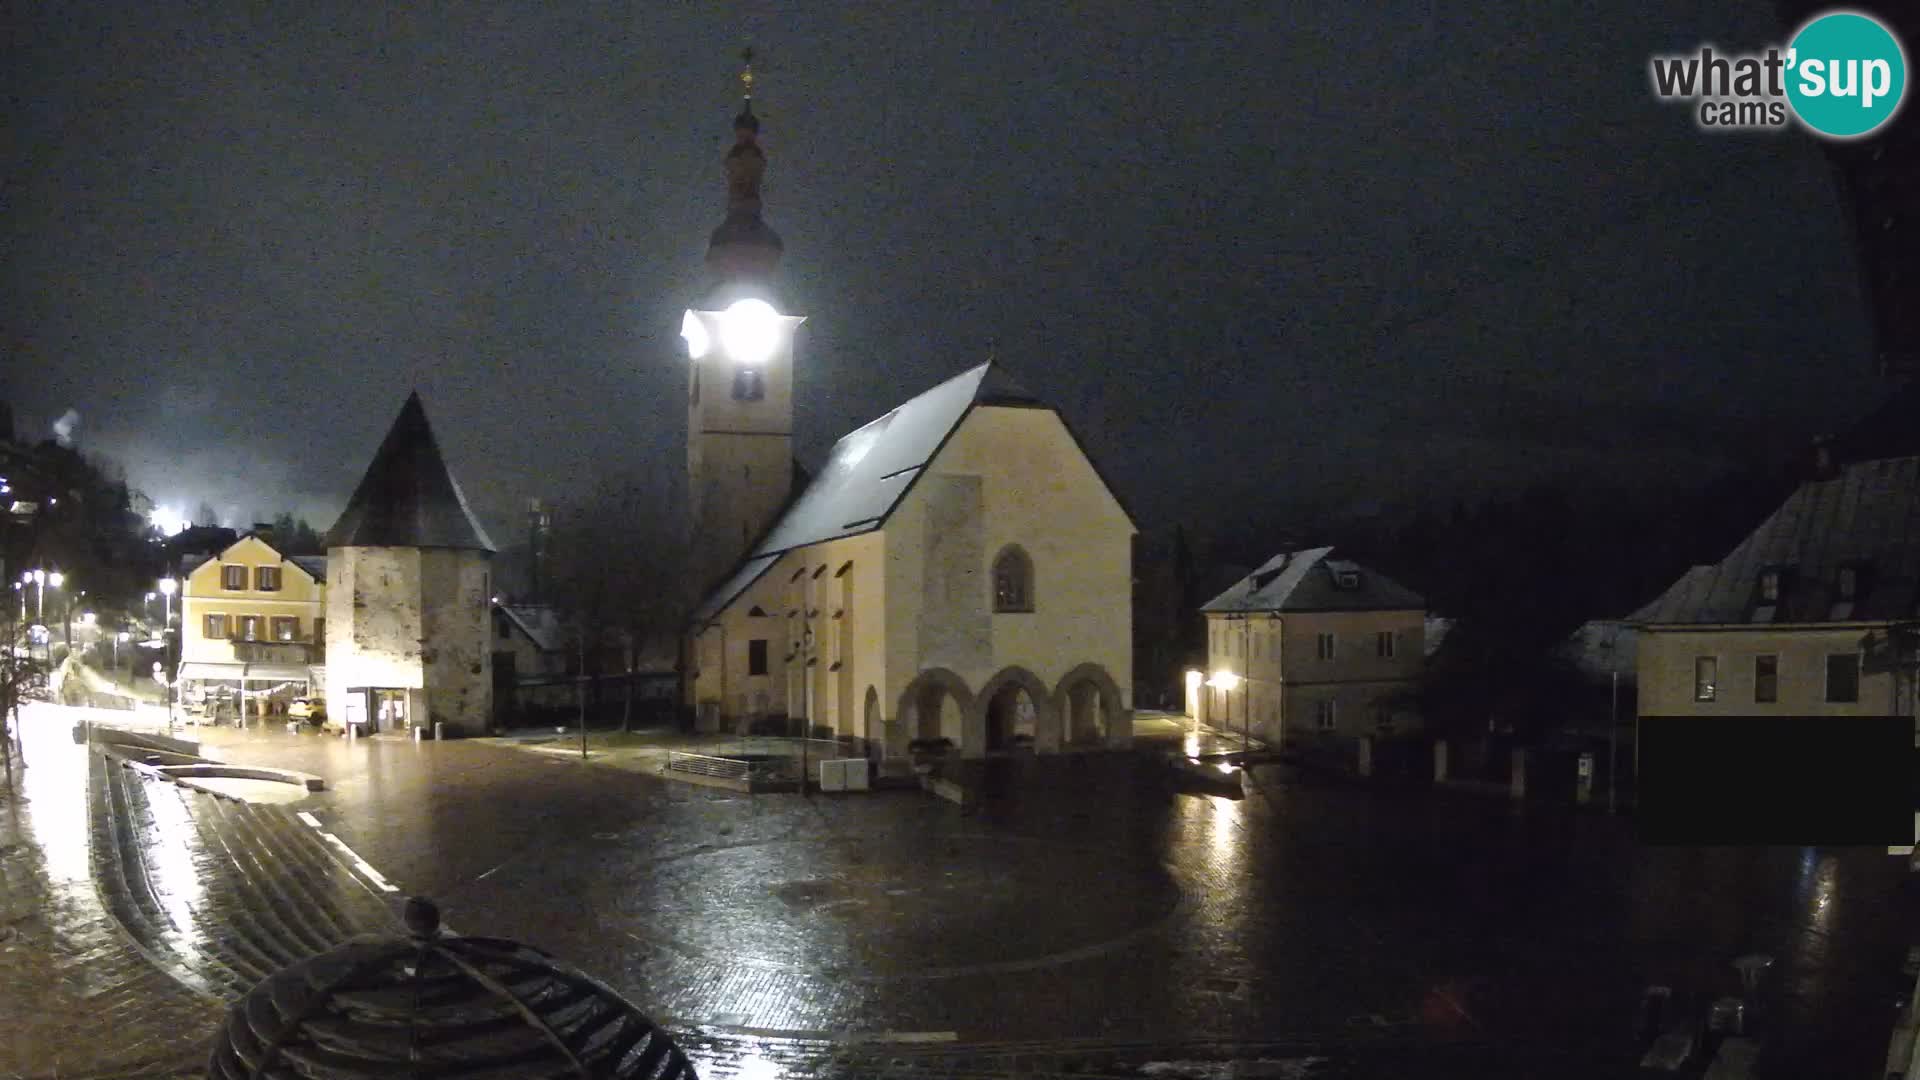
1087	905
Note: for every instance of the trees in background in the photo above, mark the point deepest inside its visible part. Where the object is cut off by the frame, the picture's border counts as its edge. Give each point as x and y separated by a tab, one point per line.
618	568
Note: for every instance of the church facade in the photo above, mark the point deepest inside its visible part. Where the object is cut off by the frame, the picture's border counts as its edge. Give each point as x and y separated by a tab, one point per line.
958	570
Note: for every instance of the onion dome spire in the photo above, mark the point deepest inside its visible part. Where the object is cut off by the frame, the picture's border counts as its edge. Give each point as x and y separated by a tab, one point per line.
743	247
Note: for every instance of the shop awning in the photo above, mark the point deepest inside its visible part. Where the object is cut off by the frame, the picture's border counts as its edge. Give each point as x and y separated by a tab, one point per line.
248	672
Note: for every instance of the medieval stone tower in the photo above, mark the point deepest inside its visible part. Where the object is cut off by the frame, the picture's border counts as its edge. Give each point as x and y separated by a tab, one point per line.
740	387
408	594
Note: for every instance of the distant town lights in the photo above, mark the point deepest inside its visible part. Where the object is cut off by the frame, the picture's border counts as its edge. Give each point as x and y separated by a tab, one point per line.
750	331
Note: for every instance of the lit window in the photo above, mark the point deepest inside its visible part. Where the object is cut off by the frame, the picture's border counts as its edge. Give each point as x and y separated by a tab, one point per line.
1013	580
1326	646
286	628
1766	678
233	578
266	578
1706	678
249	628
1843	678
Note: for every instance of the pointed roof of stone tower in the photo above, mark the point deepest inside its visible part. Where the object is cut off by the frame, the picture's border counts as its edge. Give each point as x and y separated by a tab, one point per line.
408	498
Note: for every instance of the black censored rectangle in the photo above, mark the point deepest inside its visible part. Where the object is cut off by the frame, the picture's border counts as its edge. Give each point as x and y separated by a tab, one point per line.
1809	781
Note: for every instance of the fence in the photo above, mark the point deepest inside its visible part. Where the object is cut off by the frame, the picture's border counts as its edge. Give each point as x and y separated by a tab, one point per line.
705	765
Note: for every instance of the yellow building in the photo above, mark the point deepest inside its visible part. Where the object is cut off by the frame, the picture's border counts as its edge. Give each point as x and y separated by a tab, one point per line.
958	570
253	620
1814	614
1310	648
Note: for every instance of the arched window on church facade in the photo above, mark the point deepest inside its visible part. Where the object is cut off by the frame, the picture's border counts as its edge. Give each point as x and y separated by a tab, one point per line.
1012	580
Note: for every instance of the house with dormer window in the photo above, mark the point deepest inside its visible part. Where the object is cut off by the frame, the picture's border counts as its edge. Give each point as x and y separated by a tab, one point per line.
1311	648
1815	613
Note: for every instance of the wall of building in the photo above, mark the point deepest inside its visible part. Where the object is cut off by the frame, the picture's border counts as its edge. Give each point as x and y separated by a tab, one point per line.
1032	486
1285	678
202	593
456	654
739	453
1666	672
373	623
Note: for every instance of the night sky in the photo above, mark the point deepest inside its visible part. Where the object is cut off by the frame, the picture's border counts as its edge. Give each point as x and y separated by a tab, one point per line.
1256	253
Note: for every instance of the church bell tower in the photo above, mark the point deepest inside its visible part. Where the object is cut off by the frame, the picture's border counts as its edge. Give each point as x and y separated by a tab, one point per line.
739	338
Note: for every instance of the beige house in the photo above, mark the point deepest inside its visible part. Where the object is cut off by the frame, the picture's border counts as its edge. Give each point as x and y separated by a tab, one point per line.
1310	648
409	594
253	620
957	570
1808	616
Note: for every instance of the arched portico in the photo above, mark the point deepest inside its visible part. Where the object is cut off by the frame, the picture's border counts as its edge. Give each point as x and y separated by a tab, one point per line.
937	704
1090	708
999	705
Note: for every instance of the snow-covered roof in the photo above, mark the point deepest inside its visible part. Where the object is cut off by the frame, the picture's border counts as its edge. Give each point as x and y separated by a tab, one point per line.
870	471
1313	580
1864	520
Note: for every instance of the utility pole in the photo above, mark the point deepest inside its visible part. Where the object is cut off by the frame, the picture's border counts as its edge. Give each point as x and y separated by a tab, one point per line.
581	686
1613	742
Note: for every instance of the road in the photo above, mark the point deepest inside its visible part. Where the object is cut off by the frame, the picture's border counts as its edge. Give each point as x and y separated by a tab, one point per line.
1087	909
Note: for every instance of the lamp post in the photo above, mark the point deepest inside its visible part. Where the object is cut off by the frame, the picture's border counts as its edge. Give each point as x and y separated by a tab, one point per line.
167	587
1613	716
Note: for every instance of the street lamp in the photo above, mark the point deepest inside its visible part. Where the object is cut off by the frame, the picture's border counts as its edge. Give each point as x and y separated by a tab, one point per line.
167	588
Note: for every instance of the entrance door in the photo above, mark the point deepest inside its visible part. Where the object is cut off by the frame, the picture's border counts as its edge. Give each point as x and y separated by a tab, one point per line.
390	709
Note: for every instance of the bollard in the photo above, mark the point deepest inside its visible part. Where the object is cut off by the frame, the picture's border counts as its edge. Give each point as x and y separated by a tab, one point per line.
439	730
1583	789
1366	756
417	731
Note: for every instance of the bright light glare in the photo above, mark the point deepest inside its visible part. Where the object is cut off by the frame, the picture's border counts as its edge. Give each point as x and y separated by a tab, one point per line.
56	579
699	342
750	331
167	521
1224	680
167	585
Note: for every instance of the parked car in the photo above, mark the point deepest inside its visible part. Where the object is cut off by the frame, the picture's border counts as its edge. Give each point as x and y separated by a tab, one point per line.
313	710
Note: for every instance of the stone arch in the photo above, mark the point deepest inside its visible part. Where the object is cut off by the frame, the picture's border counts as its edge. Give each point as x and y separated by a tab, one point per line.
996	730
921	707
1090	708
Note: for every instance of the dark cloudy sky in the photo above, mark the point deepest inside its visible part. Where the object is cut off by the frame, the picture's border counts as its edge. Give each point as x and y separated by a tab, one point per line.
1252	250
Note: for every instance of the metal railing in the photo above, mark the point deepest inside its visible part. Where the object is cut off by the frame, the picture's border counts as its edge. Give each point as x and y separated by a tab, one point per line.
706	765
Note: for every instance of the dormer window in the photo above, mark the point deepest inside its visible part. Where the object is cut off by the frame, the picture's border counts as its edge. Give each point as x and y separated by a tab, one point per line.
1348	580
1846	584
1770	586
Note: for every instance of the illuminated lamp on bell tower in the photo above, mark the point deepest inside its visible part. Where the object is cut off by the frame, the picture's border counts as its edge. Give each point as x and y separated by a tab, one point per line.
739	339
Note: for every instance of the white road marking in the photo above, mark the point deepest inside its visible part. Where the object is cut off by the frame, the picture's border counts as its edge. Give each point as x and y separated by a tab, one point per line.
359	863
309	819
488	874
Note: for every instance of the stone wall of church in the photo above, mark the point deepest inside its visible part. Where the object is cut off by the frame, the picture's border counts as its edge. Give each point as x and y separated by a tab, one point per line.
455	643
954	626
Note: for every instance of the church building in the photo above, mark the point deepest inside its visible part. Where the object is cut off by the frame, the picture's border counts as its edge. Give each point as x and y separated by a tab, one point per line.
958	569
409	587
